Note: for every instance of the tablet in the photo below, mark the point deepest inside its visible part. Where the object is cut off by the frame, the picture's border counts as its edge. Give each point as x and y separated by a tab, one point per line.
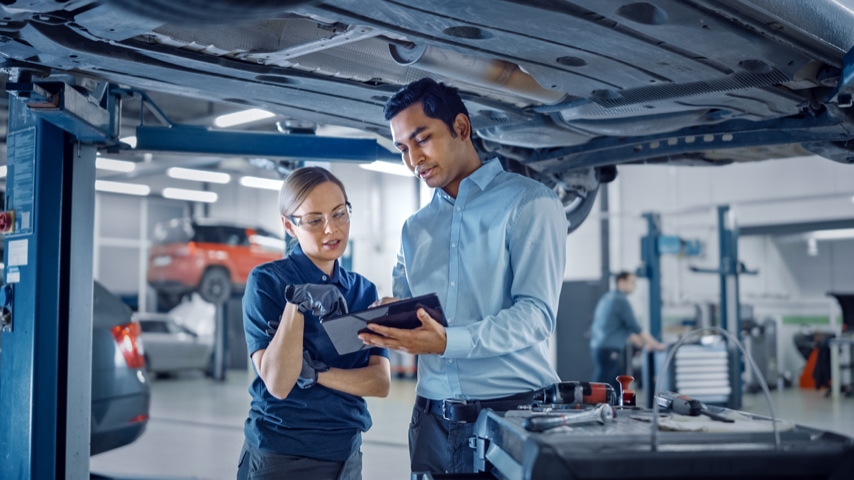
343	330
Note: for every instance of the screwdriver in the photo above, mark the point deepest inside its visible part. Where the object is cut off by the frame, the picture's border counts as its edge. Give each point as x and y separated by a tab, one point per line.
685	405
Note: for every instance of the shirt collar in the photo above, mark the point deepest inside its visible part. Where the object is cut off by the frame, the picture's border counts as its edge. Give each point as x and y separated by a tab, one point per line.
310	270
481	177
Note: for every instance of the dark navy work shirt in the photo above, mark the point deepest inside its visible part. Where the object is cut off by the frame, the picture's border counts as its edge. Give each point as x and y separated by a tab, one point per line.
317	422
613	322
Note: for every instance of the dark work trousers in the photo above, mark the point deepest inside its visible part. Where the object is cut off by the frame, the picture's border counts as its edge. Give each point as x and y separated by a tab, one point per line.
258	465
608	364
437	445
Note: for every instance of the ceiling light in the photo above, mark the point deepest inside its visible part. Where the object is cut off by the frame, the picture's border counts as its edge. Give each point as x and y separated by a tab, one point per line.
198	175
812	247
3	171
239	118
388	167
836	234
264	183
122	187
115	165
191	195
131	140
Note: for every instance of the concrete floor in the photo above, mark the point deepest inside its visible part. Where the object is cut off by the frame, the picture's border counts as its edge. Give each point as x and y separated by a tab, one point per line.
196	429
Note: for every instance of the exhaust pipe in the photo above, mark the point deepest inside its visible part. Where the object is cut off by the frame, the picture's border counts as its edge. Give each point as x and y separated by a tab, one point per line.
497	74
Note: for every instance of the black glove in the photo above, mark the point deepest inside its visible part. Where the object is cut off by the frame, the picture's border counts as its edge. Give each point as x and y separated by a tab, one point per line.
321	300
308	374
272	326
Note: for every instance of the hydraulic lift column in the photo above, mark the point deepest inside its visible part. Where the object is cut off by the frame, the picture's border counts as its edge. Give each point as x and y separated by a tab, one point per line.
45	361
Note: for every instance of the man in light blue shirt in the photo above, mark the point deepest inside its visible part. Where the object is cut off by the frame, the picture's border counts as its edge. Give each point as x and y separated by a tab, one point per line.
492	245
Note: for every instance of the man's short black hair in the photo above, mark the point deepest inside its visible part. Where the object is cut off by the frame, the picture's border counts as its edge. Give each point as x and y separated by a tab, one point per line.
624	275
439	101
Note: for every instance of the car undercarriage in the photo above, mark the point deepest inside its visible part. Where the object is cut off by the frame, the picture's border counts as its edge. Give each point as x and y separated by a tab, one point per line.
560	91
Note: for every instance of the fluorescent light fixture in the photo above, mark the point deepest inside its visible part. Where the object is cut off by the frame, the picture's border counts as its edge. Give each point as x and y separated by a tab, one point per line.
388	167
836	234
239	118
198	175
115	165
263	183
191	195
131	140
122	187
3	170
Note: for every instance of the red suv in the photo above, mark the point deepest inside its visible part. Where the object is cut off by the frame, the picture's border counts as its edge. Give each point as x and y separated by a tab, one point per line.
211	258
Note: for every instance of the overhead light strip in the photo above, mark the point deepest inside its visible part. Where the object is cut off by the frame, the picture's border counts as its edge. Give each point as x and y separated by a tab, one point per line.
263	183
388	167
114	165
190	195
239	118
198	175
835	234
122	187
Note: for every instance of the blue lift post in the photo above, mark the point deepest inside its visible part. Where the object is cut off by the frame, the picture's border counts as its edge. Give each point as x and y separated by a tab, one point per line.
653	245
45	368
729	268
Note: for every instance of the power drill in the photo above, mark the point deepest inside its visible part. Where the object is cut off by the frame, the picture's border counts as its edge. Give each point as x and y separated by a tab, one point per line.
685	405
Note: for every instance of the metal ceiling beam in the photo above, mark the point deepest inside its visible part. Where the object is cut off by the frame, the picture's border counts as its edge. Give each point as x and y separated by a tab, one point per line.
201	140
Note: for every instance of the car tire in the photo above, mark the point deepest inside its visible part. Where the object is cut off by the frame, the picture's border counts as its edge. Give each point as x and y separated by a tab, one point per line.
215	285
206	11
576	190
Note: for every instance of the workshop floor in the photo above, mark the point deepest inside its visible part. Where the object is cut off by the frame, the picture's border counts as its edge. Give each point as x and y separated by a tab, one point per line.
196	429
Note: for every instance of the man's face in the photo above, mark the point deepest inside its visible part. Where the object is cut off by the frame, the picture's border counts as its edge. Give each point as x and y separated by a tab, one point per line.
429	149
627	285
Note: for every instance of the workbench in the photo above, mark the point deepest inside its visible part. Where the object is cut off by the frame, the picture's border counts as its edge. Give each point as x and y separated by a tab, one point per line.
622	449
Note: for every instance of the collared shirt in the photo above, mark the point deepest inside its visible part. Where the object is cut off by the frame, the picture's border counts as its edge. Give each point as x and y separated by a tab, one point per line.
613	322
495	256
317	422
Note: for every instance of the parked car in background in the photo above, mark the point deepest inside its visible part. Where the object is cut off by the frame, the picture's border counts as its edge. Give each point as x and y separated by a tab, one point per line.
120	390
121	393
209	257
170	347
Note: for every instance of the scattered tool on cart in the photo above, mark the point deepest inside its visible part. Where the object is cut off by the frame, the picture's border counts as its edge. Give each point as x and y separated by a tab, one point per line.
602	414
685	405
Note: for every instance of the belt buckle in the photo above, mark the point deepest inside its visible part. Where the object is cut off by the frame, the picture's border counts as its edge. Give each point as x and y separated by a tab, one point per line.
447	405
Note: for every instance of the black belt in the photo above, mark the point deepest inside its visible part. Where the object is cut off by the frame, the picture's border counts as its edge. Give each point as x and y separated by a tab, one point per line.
464	411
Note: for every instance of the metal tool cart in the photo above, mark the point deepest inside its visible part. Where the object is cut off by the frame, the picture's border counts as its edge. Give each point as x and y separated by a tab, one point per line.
624	448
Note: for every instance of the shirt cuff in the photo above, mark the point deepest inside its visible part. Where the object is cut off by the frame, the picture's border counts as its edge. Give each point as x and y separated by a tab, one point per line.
458	342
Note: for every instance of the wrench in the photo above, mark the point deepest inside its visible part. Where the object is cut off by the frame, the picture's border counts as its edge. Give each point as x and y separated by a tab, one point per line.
602	413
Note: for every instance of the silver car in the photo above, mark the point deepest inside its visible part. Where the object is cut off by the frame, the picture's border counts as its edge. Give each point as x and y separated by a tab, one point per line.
170	347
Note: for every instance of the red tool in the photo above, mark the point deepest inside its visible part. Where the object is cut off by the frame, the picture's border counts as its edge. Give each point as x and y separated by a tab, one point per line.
588	393
627	396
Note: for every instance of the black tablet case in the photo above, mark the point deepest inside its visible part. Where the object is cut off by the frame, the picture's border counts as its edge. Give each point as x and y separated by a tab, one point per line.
343	330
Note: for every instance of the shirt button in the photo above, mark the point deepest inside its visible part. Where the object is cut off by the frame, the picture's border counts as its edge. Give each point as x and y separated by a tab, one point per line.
453	245
459	209
453	284
324	277
450	360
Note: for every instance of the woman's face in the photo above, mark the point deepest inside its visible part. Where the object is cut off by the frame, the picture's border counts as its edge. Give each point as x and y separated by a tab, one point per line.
319	227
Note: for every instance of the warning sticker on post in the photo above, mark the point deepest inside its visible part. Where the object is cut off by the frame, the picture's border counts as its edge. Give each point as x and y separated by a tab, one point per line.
17	252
